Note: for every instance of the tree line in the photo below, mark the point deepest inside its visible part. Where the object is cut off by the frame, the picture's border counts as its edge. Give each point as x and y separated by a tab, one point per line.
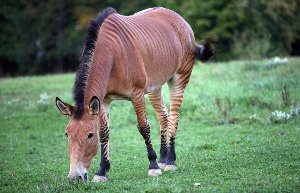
38	37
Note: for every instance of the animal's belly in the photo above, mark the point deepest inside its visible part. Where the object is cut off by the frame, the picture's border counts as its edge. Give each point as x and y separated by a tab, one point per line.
154	84
152	87
112	97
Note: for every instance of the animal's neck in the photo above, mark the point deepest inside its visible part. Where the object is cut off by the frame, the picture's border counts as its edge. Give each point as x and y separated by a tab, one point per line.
99	74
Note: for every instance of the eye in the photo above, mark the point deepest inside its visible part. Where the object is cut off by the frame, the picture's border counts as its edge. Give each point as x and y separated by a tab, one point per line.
90	135
66	134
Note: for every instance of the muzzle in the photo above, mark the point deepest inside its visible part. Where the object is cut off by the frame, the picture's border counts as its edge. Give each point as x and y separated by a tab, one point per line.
79	174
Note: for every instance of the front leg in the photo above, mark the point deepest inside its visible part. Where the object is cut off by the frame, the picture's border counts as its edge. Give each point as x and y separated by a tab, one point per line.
101	174
144	128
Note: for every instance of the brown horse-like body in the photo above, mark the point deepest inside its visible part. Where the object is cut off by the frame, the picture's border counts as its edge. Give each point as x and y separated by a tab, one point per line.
126	57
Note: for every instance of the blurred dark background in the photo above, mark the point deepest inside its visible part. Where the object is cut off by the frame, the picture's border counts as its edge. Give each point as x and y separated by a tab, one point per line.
39	37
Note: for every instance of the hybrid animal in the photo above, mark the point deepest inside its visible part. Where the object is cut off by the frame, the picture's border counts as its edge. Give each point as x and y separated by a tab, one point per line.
126	57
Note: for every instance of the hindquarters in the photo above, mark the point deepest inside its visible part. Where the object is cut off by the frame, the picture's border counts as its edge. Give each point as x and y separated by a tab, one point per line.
165	44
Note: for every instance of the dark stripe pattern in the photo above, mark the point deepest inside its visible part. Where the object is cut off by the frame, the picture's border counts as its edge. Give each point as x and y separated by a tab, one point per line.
157	101
145	132
104	139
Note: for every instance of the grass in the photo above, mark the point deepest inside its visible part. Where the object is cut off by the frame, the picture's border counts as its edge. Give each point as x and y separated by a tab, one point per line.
232	146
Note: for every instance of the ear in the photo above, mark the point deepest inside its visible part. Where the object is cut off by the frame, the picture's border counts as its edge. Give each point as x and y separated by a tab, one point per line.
64	108
94	106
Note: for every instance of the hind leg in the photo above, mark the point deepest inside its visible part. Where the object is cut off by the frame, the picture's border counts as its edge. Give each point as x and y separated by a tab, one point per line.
157	101
176	85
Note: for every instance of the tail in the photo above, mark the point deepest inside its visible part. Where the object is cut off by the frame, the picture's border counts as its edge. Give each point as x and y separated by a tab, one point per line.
204	52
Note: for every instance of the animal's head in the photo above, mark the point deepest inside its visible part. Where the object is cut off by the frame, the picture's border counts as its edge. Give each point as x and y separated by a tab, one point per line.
82	137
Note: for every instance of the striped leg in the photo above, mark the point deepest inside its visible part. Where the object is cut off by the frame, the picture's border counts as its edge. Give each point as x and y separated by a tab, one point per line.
101	174
138	102
157	101
176	85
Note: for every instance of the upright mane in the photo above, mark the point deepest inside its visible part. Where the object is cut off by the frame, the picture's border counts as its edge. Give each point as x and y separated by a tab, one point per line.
86	60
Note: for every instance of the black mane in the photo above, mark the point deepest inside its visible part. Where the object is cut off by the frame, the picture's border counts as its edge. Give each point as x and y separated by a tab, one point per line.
86	60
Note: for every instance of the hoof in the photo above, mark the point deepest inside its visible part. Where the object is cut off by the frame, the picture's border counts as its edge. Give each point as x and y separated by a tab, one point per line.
170	167
161	165
154	172
100	179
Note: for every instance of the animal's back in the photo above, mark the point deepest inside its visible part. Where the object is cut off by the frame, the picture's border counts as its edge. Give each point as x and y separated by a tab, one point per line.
152	45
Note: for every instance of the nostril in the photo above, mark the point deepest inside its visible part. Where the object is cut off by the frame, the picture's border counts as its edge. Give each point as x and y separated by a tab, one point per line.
85	176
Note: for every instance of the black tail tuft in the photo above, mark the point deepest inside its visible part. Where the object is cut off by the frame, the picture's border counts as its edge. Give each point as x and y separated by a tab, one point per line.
204	52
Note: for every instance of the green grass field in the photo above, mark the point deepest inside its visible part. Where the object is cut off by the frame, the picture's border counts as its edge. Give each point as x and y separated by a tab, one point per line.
227	141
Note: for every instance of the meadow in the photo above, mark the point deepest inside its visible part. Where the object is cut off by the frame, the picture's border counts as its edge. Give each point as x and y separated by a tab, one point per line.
239	131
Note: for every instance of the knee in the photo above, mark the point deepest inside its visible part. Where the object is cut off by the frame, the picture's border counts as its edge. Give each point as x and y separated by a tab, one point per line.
144	130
